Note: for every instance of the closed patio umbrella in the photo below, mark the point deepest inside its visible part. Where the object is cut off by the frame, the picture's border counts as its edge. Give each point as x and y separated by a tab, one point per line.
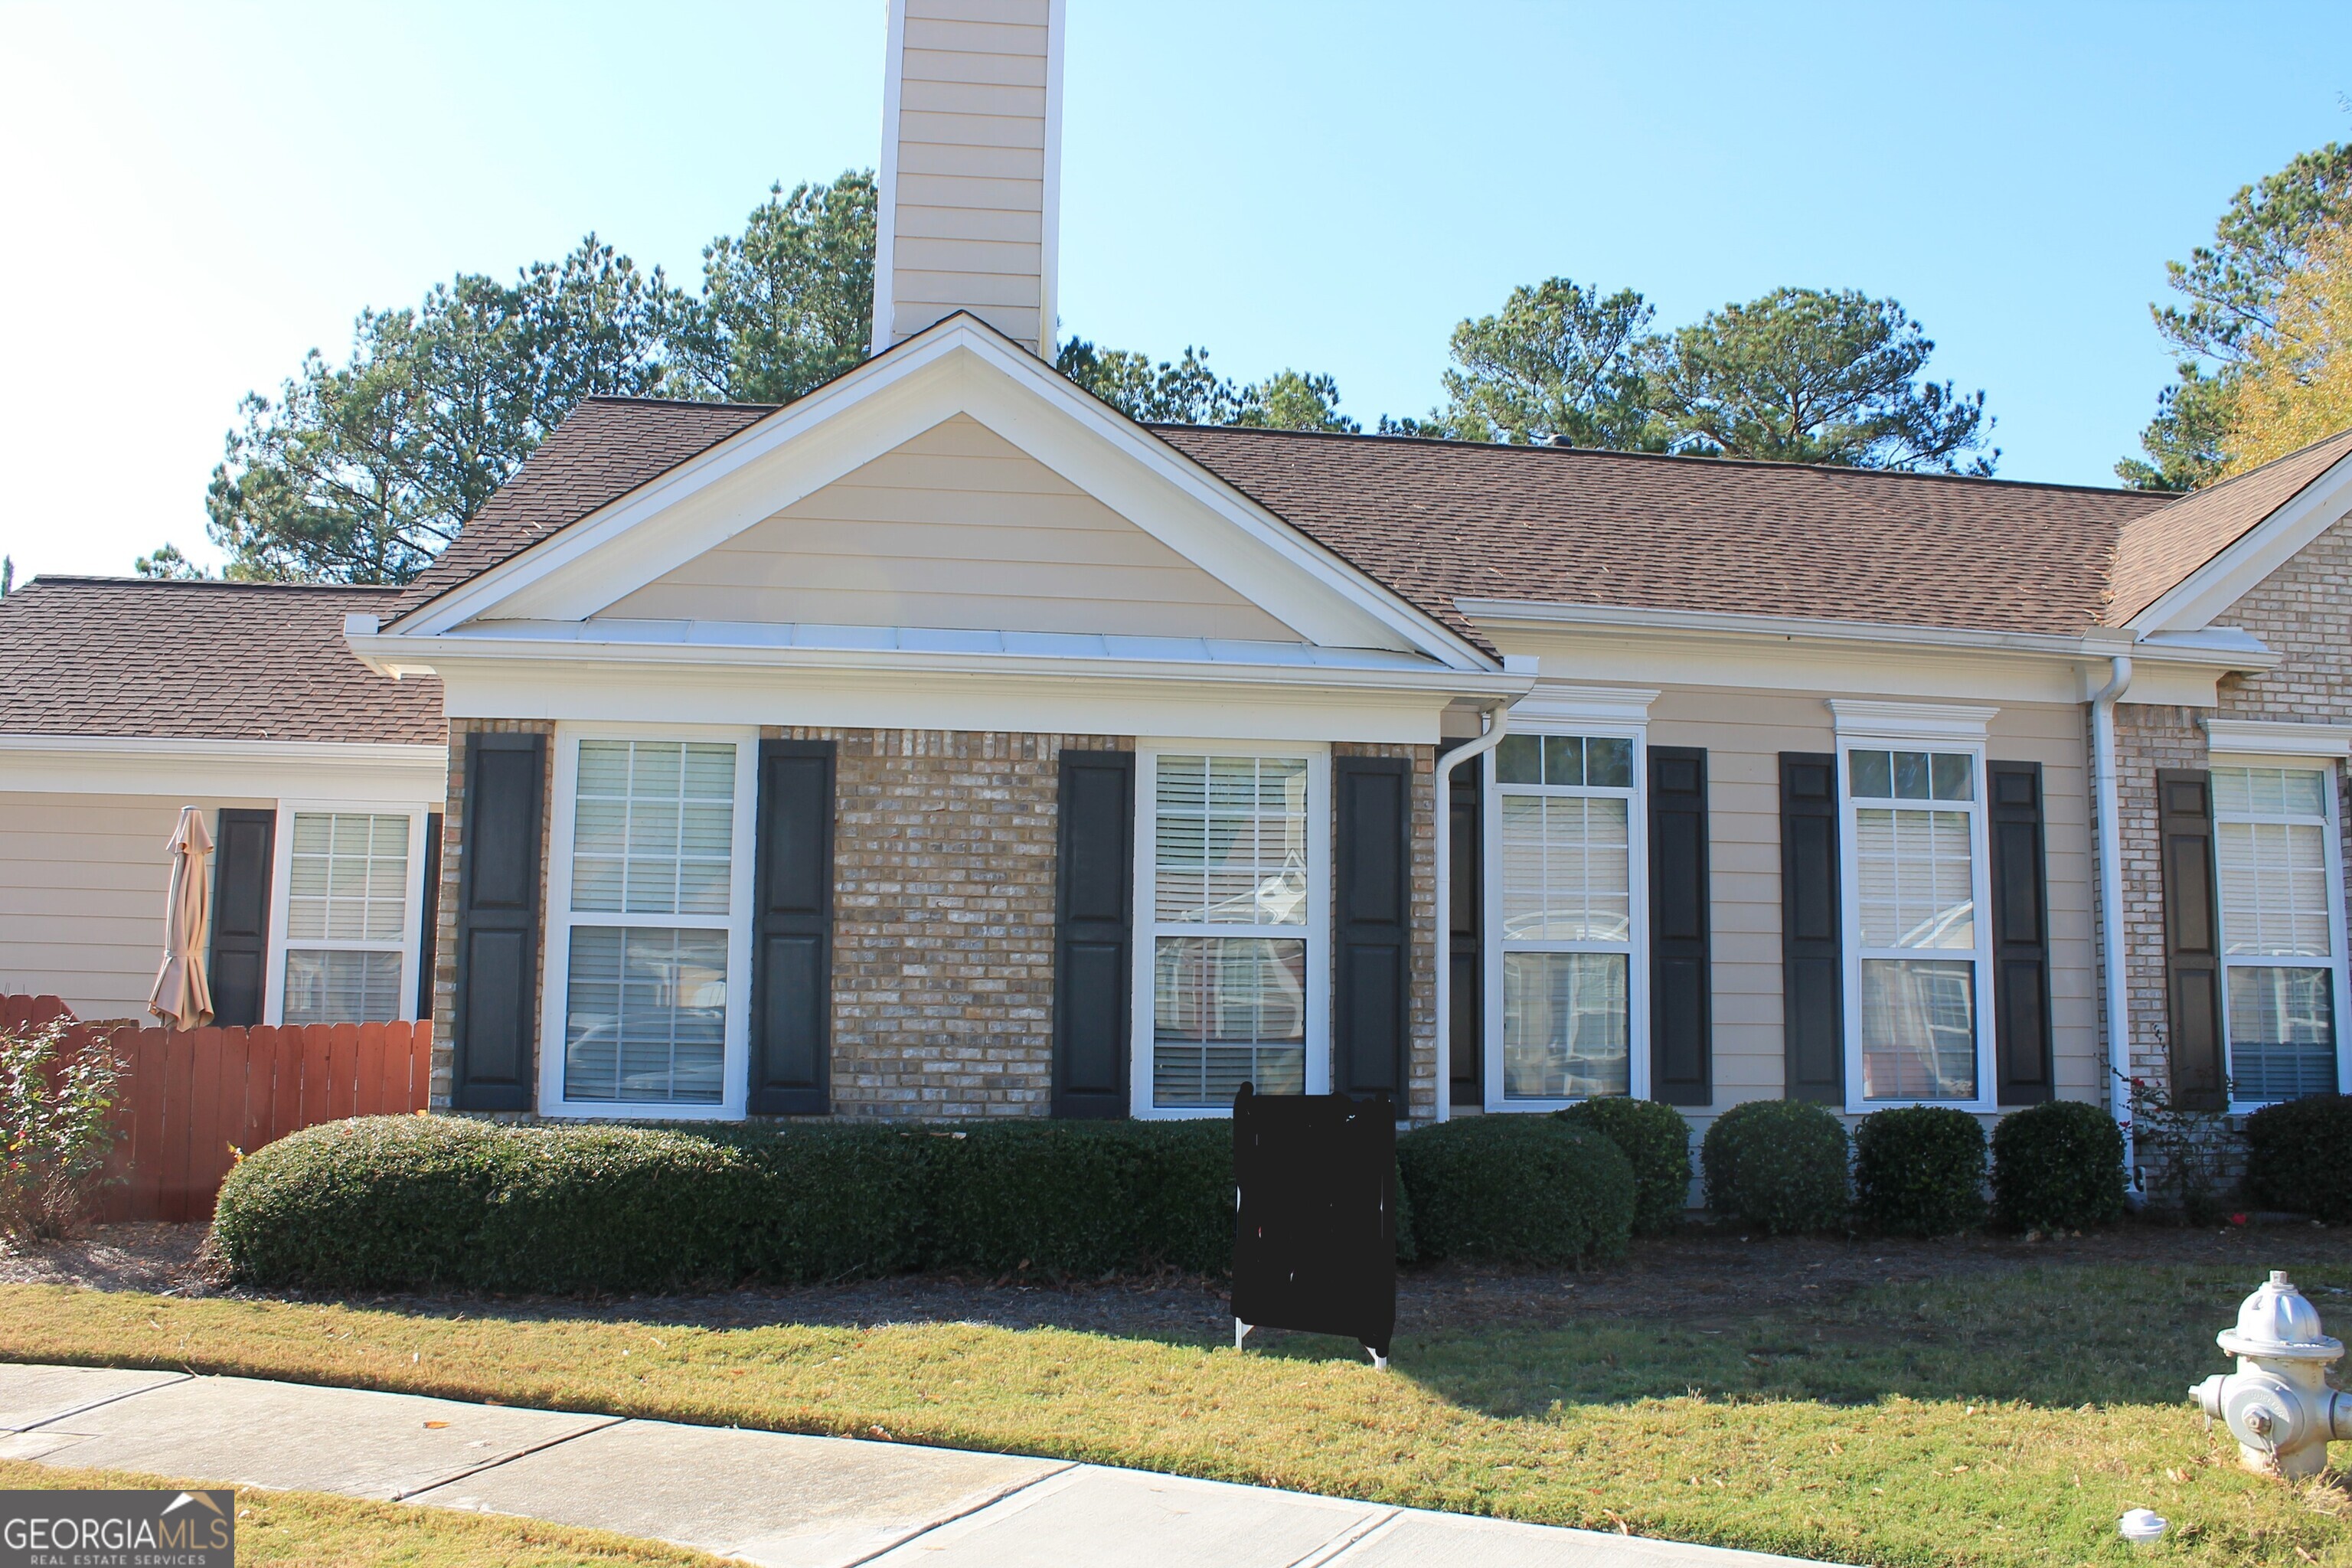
182	997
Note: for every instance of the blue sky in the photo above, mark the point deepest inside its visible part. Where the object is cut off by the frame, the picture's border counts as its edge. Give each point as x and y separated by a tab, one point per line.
195	197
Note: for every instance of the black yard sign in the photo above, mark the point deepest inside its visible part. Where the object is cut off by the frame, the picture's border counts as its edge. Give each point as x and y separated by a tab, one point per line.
1314	1244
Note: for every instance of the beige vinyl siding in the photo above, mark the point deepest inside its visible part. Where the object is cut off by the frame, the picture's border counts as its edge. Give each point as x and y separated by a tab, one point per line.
956	529
1744	732
82	878
968	218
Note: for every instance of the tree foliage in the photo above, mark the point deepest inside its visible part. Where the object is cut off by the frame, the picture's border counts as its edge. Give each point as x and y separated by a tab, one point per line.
2295	384
1808	376
2227	313
1800	375
1185	391
787	305
1561	363
361	472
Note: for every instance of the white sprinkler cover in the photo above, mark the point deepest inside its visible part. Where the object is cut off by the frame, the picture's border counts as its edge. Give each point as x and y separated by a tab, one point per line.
2276	1320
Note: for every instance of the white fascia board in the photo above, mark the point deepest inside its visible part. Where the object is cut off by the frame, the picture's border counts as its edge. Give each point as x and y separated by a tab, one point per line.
180	765
2193	603
2269	738
1504	615
868	699
958	367
2185	664
1909	721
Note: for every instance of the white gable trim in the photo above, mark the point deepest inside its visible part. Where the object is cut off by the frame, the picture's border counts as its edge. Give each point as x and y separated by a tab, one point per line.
2193	603
959	366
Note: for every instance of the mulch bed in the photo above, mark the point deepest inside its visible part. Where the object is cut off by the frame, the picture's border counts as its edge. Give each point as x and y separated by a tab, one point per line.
1704	1277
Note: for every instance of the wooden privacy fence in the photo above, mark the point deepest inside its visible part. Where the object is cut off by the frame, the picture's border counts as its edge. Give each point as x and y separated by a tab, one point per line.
193	1098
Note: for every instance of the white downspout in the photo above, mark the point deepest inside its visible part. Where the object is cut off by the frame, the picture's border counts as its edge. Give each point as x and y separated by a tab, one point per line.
1498	722
2112	955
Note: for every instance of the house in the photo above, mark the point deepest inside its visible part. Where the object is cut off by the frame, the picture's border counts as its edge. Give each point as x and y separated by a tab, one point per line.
945	744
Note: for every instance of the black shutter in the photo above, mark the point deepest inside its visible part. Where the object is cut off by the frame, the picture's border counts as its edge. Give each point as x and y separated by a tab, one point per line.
2020	933
1466	920
428	925
2192	960
1682	1060
240	961
1813	976
1094	933
791	937
500	876
1373	928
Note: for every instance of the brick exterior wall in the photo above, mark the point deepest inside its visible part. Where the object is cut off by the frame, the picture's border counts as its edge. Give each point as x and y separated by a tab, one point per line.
2300	612
944	863
453	838
944	855
1422	1091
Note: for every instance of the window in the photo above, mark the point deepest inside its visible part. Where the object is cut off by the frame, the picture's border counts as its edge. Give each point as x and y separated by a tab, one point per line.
1235	929
346	927
1921	951
2275	845
649	929
1569	897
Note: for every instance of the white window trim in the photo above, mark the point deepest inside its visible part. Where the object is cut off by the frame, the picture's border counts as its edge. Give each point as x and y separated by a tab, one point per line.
1318	929
1554	710
1916	727
281	883
2332	836
734	1074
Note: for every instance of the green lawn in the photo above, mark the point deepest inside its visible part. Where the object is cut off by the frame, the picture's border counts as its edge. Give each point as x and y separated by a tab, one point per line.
319	1530
2006	1418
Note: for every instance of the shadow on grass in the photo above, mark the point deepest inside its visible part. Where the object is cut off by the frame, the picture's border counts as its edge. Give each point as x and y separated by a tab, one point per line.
2100	1335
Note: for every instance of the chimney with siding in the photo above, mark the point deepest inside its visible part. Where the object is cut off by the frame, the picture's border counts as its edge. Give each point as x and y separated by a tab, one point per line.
970	171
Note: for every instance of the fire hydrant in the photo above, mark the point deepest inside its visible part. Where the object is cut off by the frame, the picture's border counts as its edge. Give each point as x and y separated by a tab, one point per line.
2278	1403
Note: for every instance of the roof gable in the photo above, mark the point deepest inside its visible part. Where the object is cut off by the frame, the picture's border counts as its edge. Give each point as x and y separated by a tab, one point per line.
527	569
955	528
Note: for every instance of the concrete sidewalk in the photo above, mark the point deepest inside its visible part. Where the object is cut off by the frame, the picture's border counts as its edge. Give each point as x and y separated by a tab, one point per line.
766	1496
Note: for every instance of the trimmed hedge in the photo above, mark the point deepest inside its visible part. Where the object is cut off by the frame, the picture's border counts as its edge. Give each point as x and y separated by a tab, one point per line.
1919	1171
2058	1165
1064	1200
1777	1165
1515	1189
2299	1156
1656	1140
428	1202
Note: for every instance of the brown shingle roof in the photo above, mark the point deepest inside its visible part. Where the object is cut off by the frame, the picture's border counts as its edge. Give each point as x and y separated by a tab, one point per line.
1440	521
2158	552
607	447
234	661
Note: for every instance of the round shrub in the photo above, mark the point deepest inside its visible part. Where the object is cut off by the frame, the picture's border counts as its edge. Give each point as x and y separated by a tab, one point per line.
1919	1171
1656	1140
1778	1167
2058	1165
1515	1189
2299	1156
